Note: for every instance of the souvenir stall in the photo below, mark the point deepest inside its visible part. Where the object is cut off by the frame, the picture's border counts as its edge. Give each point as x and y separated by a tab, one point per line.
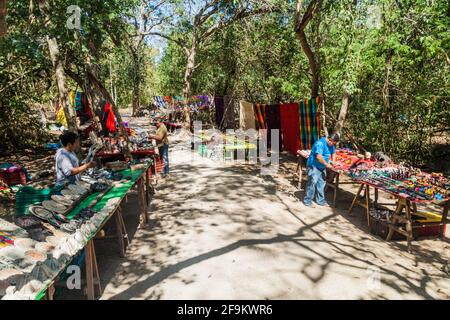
345	160
217	145
53	225
37	248
410	187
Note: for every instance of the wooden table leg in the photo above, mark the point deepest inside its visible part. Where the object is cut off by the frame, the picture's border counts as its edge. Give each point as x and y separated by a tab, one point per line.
147	187
368	204
409	228
97	274
119	231
89	271
300	172
142	204
124	229
393	223
336	187
376	197
355	199
50	292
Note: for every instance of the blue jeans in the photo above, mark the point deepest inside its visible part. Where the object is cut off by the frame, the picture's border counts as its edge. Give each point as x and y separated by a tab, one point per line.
315	186
164	153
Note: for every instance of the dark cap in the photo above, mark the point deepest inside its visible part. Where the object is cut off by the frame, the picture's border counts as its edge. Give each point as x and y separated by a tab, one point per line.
335	137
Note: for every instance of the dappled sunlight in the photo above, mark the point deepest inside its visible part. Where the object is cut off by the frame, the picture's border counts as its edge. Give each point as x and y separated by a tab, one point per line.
225	232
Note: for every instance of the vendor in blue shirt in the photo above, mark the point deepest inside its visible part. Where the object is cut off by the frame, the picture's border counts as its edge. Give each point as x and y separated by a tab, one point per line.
321	158
66	161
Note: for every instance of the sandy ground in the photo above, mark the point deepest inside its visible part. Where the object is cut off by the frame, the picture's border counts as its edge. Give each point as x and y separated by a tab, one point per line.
222	231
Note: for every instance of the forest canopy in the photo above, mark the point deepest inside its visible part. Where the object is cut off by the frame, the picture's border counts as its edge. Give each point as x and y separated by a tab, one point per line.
385	62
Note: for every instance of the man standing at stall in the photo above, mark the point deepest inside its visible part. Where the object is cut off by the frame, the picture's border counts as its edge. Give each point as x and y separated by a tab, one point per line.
321	158
162	143
66	161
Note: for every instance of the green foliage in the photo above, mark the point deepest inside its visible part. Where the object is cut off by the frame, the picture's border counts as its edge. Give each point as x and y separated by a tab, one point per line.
396	70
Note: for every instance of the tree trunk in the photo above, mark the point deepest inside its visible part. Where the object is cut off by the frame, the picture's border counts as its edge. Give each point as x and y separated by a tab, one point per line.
301	21
102	89
342	113
3	11
59	71
313	67
190	66
136	100
387	104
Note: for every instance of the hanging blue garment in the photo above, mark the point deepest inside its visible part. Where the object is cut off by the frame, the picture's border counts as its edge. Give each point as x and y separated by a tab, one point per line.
78	101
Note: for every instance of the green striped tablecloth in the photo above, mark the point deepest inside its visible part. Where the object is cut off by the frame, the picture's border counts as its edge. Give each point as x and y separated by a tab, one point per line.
115	192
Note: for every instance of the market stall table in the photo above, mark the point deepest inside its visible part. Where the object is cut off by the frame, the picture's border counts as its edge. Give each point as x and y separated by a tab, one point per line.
108	204
406	207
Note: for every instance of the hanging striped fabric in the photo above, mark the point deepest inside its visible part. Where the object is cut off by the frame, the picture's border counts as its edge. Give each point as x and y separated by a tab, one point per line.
309	123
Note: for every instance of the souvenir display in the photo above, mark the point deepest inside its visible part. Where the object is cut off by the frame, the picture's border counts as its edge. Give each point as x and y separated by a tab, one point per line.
28	222
69	194
6	239
100	187
44	247
25	243
54	206
40	245
61	217
77	189
41	212
62	200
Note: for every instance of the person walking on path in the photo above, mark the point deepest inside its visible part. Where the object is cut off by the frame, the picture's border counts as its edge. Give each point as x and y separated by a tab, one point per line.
163	144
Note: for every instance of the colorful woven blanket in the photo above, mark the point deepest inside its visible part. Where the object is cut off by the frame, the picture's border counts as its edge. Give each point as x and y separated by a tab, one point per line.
309	123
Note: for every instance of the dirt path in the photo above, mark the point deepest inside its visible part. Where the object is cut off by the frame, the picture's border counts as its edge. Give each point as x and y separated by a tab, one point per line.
223	232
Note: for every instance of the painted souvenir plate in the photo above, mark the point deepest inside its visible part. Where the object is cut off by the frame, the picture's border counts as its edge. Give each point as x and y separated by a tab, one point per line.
54	206
83	184
25	243
35	255
61	217
69	194
68	227
77	189
53	240
54	222
62	200
44	247
41	212
10	275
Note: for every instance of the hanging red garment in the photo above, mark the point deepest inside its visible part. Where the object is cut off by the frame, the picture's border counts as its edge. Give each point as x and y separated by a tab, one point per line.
289	127
110	118
86	105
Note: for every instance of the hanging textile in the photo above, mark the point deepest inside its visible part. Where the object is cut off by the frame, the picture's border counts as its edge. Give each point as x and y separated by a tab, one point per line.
309	123
86	106
260	116
168	99
220	109
273	121
289	114
78	104
247	116
60	115
72	98
109	118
